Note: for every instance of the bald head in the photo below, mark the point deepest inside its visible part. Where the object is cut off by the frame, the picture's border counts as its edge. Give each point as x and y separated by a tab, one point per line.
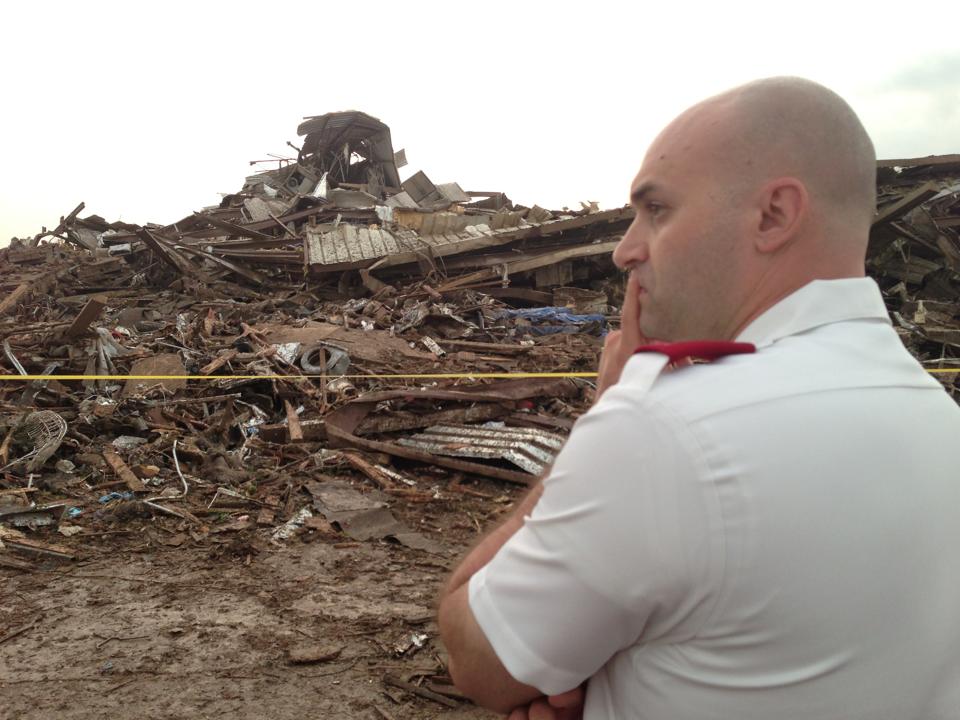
787	126
743	199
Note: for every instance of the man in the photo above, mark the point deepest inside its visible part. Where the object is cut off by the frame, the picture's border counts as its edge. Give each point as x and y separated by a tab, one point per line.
772	534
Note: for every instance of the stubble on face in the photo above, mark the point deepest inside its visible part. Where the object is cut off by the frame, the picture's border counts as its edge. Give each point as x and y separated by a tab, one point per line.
689	278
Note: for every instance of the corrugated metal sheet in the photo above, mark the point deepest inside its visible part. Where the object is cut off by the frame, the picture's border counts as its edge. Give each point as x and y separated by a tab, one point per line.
419	187
442	223
505	220
349	244
453	192
343	198
359	246
260	209
401	199
527	448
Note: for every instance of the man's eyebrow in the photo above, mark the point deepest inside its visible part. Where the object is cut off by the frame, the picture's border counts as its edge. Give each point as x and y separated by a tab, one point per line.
641	191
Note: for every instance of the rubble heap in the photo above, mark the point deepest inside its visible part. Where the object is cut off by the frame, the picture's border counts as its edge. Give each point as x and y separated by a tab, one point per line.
915	254
256	369
340	218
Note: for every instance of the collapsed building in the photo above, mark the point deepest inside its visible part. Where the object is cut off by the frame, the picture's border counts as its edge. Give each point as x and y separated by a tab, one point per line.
329	316
340	218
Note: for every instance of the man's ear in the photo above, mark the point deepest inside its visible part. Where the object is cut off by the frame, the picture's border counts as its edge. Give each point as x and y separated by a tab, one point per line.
783	207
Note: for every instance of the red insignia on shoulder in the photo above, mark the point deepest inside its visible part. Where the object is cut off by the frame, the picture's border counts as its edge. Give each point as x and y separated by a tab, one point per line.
698	349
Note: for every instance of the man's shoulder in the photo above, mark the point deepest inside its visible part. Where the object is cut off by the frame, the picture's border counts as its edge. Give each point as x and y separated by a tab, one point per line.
830	359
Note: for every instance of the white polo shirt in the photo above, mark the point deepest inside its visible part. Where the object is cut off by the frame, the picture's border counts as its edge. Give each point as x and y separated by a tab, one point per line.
774	535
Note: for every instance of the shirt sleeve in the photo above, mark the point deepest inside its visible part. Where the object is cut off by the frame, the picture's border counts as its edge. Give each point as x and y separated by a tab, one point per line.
622	548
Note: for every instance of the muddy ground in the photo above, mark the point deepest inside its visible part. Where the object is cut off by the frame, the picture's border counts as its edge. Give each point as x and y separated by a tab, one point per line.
151	623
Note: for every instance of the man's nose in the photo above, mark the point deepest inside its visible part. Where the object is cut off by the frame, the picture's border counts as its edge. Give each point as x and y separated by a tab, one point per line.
632	248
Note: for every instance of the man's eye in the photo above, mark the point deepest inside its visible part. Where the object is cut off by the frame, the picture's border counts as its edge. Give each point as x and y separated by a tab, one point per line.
654	209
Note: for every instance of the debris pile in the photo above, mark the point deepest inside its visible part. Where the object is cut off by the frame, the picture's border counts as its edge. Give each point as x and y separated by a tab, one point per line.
219	364
914	254
244	374
331	355
340	217
330	342
283	389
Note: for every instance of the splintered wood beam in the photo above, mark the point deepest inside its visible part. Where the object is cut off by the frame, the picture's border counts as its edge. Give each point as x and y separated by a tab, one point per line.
293	423
13	299
122	471
90	312
907	203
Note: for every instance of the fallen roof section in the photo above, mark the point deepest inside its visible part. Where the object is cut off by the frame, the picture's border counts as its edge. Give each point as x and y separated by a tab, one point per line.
337	135
347	246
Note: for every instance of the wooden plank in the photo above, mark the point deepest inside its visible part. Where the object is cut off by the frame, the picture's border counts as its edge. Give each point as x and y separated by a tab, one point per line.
219	362
90	312
233	229
64	221
251	275
36	547
481	412
520	293
293	423
12	300
377	476
927	161
14	564
170	256
513	389
947	222
539	261
501	348
531	263
312	430
907	203
122	471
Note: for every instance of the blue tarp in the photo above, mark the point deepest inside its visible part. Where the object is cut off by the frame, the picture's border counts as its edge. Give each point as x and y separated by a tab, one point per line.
551	320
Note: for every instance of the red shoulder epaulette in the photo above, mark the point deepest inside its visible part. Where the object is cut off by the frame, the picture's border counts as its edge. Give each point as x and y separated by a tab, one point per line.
698	349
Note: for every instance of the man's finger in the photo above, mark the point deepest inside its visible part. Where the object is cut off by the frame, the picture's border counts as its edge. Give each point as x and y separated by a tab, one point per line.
568	699
519	713
609	359
611	343
612	340
630	315
611	346
540	710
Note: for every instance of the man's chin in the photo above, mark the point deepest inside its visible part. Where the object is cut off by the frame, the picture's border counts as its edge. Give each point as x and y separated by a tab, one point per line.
652	334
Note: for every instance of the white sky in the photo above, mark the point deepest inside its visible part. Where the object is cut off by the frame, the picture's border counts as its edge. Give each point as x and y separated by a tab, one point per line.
146	111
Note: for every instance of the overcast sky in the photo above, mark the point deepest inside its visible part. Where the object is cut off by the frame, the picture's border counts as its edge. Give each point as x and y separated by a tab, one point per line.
149	111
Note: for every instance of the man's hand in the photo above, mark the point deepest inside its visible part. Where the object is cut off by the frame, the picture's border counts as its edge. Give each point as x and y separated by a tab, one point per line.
619	345
565	706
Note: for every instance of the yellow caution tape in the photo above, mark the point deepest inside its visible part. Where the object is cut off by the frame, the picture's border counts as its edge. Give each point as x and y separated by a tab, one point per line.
420	376
372	376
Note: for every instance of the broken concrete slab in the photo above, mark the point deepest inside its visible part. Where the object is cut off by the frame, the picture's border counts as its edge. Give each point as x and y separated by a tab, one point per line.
165	370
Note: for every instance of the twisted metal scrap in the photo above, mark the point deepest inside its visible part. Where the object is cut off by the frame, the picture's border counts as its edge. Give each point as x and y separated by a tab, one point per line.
46	429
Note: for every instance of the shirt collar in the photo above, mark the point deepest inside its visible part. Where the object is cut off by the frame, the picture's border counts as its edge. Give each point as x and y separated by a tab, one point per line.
819	302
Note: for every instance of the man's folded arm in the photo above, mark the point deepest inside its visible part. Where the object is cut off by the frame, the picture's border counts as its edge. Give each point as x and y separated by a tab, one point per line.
474	666
615	552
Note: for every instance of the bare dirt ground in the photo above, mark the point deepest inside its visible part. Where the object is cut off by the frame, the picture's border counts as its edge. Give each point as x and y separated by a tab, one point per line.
151	623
